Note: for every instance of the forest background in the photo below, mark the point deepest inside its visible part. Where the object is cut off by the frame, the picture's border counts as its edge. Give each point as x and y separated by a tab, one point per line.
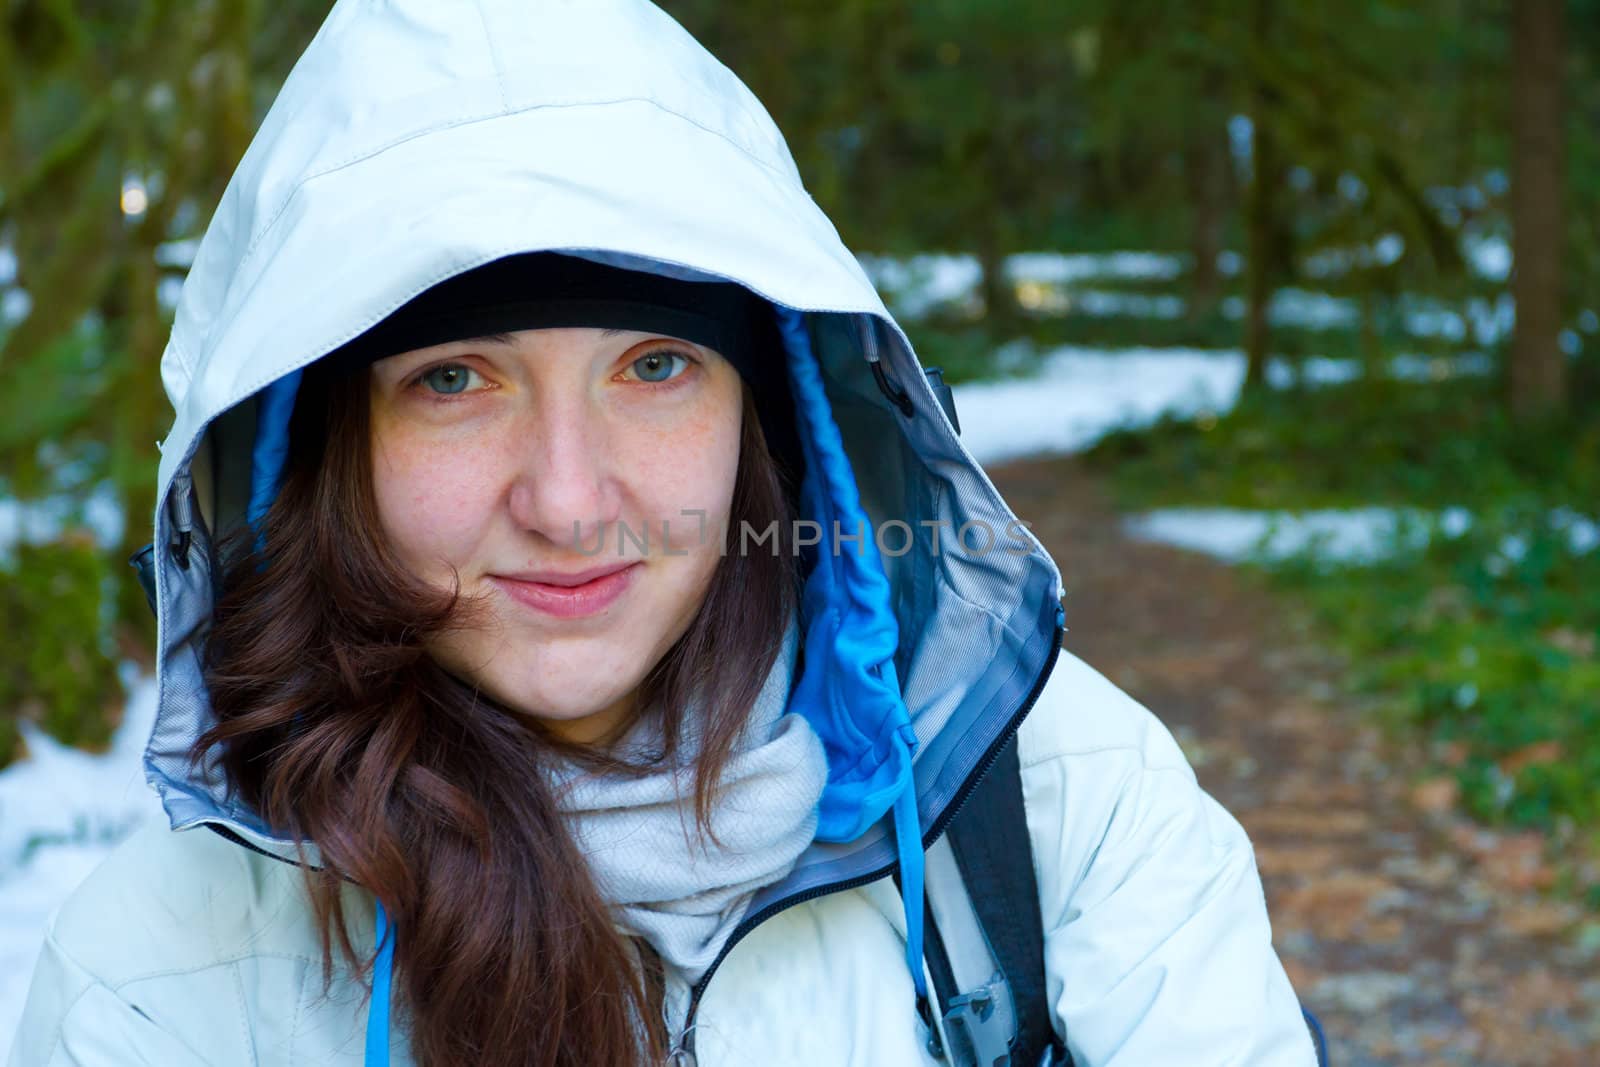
1389	210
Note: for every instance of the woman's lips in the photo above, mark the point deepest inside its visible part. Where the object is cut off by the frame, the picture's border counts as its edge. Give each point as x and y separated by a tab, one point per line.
569	601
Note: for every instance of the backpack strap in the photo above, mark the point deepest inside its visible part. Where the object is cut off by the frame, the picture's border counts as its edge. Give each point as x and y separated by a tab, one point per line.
989	975
1003	1021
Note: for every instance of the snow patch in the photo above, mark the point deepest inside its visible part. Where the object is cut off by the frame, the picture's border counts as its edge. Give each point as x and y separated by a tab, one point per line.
917	284
40	521
1064	268
1354	535
1081	394
61	812
15	304
1488	254
1238	534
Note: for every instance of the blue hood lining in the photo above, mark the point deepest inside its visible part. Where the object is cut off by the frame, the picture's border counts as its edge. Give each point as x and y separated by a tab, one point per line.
271	449
848	689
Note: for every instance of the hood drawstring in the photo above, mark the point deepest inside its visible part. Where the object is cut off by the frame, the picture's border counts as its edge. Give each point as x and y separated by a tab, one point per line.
908	844
382	976
850	689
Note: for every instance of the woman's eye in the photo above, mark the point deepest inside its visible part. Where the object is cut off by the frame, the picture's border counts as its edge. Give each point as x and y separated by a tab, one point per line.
448	379
658	366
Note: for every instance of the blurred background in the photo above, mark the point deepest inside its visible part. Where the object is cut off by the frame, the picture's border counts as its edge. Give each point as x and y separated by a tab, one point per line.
1280	323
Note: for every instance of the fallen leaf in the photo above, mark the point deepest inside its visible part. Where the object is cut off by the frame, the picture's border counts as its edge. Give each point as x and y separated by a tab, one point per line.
1538	752
1436	796
1303	822
1517	862
1278	862
1572	642
1537	918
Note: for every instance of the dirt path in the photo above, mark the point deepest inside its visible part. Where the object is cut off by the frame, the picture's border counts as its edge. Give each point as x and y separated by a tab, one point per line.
1417	938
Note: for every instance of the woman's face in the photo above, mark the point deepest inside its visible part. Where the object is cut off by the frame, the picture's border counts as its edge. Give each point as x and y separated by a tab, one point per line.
579	482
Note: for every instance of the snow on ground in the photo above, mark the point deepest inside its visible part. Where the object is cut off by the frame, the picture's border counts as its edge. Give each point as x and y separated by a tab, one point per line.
1061	283
1489	254
39	521
917	284
1353	535
1080	394
14	306
1337	262
1236	534
1065	268
61	812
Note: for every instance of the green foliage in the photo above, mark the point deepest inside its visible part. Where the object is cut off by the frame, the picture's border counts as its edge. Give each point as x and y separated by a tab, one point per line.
1487	643
158	98
917	125
56	668
1436	443
1486	640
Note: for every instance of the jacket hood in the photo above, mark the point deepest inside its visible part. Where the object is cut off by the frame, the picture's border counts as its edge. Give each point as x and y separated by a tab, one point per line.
415	140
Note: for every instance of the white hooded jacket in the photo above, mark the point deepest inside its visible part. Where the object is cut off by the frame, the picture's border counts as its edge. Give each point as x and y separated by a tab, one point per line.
417	139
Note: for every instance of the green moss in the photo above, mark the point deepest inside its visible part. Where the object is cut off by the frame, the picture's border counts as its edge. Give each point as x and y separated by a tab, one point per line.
59	668
1428	444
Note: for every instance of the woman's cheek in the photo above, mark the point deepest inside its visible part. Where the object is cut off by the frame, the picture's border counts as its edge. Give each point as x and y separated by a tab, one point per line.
432	509
688	486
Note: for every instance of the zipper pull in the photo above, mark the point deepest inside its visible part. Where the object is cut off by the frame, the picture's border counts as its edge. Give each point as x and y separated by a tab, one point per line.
935	1046
868	330
682	1051
180	510
943	393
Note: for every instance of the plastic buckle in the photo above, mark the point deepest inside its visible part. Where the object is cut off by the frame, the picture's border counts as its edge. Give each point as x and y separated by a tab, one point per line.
982	1024
143	563
943	393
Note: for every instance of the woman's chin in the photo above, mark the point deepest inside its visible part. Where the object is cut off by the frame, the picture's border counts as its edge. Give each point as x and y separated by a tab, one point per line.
568	710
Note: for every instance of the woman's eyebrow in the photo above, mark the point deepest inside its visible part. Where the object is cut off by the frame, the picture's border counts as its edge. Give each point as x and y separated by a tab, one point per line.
507	339
489	339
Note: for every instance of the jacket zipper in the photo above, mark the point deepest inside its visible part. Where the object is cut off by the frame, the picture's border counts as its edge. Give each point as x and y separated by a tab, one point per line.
224	831
682	1054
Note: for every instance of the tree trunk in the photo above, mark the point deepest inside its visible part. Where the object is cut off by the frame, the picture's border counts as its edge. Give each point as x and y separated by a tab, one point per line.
1372	368
1206	167
1001	312
1535	376
1260	214
1000	309
1466	96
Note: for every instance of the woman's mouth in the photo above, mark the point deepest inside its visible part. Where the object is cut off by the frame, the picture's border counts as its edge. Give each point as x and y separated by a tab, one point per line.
568	597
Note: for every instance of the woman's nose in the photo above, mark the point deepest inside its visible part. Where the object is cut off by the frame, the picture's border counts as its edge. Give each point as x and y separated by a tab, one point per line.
565	489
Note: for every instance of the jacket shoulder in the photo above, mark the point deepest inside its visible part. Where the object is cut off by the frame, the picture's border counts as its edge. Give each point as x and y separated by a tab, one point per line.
1157	944
1082	713
169	901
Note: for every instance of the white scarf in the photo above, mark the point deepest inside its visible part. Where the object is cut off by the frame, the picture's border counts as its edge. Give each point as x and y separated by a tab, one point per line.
682	893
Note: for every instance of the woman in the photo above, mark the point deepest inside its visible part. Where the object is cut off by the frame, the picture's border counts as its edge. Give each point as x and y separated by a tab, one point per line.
577	615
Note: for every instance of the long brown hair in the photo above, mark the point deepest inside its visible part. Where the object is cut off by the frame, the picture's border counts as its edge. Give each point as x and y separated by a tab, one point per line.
337	727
